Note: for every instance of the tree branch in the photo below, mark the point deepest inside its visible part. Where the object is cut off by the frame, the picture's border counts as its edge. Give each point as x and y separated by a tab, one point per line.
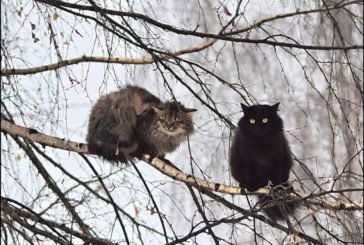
164	56
169	170
23	213
225	36
100	59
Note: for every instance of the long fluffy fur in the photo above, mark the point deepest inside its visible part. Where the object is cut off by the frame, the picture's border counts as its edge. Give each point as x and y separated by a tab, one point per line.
260	154
126	124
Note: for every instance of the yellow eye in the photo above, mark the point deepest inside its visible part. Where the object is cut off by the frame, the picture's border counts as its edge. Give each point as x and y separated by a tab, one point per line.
265	120
252	121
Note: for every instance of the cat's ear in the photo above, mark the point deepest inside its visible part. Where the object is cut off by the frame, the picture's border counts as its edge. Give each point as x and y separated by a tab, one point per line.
275	106
157	110
244	107
189	111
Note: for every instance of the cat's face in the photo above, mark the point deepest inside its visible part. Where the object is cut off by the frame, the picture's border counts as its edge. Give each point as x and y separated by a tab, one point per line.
174	119
260	120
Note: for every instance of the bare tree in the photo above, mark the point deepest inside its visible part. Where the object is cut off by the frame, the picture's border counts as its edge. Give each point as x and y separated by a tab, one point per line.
58	57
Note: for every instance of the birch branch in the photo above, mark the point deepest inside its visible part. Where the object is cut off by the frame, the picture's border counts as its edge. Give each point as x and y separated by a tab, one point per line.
54	142
101	59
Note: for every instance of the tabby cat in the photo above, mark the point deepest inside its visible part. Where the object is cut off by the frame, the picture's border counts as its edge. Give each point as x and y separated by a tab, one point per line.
260	155
131	122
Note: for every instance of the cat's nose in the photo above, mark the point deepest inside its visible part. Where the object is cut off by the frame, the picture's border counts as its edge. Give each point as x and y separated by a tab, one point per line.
170	126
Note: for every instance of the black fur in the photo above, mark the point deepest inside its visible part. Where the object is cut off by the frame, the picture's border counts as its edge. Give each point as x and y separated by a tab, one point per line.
260	154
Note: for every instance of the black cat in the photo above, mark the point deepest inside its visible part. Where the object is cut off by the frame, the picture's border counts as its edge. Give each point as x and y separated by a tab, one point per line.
260	155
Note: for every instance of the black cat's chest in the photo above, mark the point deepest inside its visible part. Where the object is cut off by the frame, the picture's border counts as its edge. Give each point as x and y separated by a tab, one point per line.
261	150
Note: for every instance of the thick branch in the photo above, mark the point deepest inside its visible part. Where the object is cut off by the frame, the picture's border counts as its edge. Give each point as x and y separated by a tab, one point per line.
167	169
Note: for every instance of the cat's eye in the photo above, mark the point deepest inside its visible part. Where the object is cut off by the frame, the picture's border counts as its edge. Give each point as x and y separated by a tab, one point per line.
252	121
265	120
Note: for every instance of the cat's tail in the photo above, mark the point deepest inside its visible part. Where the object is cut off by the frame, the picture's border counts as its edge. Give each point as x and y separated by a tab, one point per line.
113	152
277	205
